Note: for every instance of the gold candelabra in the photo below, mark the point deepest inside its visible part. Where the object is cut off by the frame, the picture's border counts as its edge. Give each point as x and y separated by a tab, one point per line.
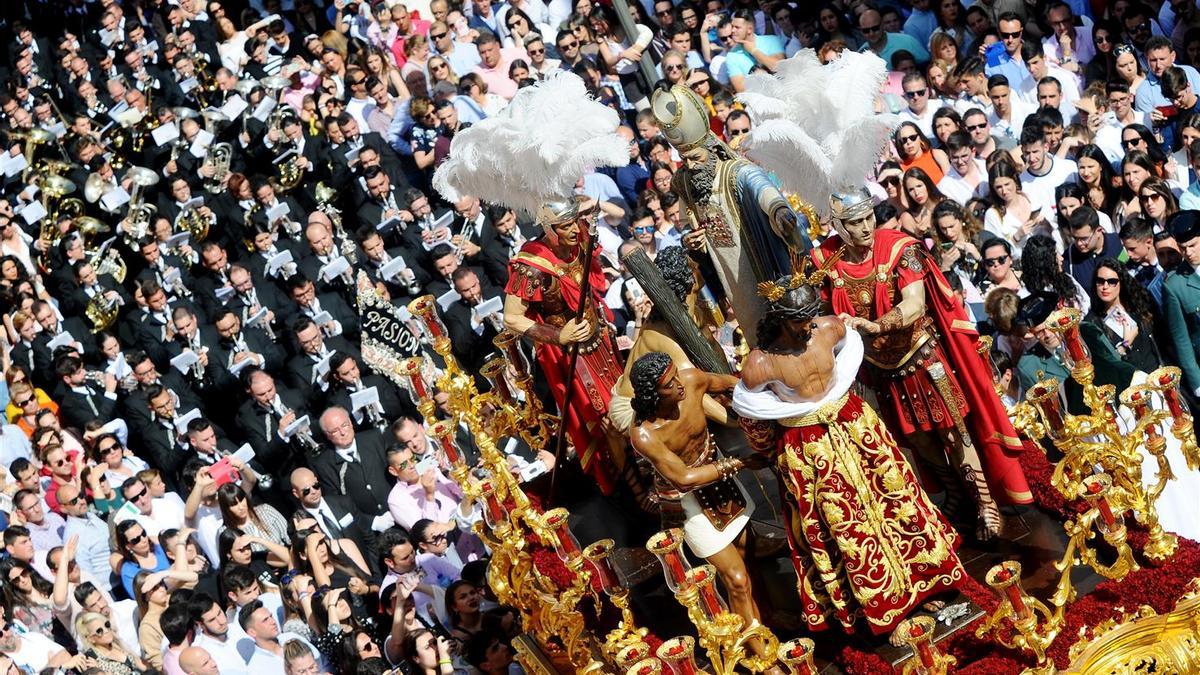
726	637
1102	464
917	633
550	613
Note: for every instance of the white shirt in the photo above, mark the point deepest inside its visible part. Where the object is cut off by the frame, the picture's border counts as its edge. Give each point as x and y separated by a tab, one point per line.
924	122
956	187
224	654
34	651
1040	189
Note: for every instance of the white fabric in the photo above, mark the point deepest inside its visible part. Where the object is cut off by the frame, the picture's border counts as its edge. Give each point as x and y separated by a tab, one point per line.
701	535
763	404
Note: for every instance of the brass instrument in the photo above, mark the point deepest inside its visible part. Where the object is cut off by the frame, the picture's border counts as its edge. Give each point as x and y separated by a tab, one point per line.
90	229
96	186
108	261
195	223
139	214
290	173
33	138
325	197
102	311
218	155
54	190
143	127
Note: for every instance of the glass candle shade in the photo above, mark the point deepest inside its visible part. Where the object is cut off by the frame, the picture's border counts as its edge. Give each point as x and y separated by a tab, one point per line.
1140	399
411	369
494	513
1166	381
631	654
1044	395
650	666
1005	578
917	633
1065	322
703	579
679	655
667	546
1095	490
798	656
424	309
509	343
598	556
565	544
443	432
493	370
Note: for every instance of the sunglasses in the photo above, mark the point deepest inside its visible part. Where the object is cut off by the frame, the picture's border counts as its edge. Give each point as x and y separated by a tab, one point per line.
22	404
436	538
72	502
725	38
643	230
102	629
1142	27
738	132
910	95
133	541
114	446
1133	141
139	495
1011	36
512	25
536	52
438	36
673	67
663	12
568	45
315	487
995	262
909	139
975	127
890	180
21	573
1108	281
1152	195
1101	39
870	30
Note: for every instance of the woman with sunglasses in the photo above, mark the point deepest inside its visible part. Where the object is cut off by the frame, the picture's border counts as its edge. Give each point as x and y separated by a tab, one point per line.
238	547
1096	178
338	564
22	404
1011	217
519	26
674	67
261	521
1102	67
1127	66
1123	308
440	71
99	642
1157	202
913	149
152	596
334	615
1136	168
28	594
137	553
117	462
888	177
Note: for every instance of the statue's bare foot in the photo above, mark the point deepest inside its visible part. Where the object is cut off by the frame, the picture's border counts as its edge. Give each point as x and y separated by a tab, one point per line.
990	523
934	606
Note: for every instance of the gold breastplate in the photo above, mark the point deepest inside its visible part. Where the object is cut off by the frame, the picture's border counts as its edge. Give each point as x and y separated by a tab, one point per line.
889	351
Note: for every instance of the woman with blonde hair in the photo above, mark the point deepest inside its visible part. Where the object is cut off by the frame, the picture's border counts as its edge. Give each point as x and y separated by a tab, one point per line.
336	41
99	642
674	67
943	49
440	71
414	70
19	374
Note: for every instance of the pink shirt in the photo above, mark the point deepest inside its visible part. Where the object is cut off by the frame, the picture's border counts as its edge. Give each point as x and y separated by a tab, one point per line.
419	27
409	503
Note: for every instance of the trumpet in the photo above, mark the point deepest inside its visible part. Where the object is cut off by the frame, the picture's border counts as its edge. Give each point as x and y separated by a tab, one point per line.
303	435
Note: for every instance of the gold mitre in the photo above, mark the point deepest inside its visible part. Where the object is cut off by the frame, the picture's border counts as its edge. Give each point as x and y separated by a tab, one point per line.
681	115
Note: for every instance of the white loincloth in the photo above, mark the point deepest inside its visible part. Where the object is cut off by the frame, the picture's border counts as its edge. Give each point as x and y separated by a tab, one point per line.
702	537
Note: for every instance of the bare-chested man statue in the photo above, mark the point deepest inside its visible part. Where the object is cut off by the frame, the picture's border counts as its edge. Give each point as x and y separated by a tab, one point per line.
866	541
693	485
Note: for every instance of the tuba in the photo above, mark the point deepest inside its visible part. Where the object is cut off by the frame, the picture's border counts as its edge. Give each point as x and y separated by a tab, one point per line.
57	204
34	138
195	223
139	214
290	173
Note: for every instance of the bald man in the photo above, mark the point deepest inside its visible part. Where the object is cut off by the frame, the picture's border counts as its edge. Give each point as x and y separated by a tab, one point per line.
353	464
325	257
336	515
196	661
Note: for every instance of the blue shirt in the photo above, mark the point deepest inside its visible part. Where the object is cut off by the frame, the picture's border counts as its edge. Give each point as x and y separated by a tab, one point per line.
900	42
740	62
129	570
1149	95
920	25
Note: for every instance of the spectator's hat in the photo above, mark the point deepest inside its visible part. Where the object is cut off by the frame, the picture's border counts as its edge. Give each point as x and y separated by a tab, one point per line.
1036	307
1184	225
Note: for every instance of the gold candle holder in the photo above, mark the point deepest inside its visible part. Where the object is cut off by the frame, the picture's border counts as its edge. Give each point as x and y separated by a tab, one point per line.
1034	625
917	633
679	655
424	309
797	655
1166	381
631	654
564	541
728	640
650	666
1065	322
666	545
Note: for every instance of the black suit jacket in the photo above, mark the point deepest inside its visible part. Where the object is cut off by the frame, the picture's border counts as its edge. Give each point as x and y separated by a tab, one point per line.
258	342
136	413
260	429
36	357
366	482
395	404
75	411
357	529
470	348
300	369
340	311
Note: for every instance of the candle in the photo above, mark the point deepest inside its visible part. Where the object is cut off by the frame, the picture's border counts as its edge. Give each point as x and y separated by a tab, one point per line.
1071	340
797	654
925	653
444	432
494	512
1106	514
412	368
677	653
1171	396
568	546
597	555
1049	406
710	601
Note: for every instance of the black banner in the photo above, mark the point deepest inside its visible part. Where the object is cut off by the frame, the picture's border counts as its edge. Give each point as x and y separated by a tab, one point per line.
387	337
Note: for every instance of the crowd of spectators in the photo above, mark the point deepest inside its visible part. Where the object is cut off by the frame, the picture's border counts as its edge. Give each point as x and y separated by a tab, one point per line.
215	480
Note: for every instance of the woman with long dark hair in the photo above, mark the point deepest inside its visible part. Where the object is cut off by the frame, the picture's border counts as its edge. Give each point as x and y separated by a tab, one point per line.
1041	270
832	24
1102	67
1124	309
1157	202
262	521
945	122
1096	177
1011	216
28	595
913	149
923	198
1136	168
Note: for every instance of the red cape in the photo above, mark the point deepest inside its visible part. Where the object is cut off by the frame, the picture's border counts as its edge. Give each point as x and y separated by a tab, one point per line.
987	421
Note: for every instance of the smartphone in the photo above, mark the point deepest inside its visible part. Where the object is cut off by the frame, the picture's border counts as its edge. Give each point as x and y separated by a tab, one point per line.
1167	111
947	245
460	27
428	463
635	289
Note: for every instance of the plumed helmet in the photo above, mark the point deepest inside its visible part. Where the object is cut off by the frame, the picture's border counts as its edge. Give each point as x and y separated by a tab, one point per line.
850	204
682	116
559	211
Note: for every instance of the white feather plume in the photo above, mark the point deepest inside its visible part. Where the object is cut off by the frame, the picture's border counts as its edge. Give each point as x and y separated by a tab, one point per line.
815	125
536	149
